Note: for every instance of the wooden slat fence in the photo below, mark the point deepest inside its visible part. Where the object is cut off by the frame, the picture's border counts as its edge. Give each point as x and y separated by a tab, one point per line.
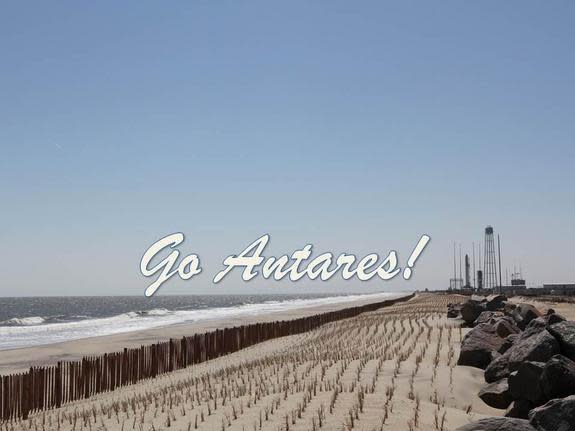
43	388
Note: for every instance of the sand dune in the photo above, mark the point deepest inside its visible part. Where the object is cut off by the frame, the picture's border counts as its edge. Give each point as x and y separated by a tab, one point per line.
393	369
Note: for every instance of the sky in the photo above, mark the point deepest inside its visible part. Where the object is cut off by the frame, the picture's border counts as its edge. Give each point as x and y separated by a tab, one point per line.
351	126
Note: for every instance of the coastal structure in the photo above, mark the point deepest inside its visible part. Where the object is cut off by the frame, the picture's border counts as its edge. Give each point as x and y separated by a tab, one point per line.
489	260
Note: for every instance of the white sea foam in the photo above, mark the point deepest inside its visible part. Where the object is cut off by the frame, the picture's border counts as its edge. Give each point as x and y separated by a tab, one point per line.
34	333
24	321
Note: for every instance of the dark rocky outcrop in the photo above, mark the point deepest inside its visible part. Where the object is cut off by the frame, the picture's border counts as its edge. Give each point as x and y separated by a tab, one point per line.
508	307
507	343
524	313
558	377
519	409
524	383
453	310
564	332
478	346
506	326
550	319
534	327
495	302
488	317
556	415
553	318
470	310
529	361
539	347
496	394
498	424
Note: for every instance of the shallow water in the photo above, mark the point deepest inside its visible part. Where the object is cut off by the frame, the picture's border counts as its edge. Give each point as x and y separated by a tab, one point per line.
45	320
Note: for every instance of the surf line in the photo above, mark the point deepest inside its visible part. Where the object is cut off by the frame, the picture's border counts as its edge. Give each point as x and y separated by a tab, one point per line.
295	266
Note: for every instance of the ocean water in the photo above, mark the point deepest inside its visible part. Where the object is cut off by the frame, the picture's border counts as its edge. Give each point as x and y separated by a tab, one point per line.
45	320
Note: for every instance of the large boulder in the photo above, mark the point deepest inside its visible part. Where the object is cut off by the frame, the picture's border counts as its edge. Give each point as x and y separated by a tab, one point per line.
453	310
524	383
478	346
519	409
550	319
553	318
495	302
505	326
565	334
487	317
508	307
470	310
496	394
498	424
539	347
508	342
524	313
556	415
534	327
558	377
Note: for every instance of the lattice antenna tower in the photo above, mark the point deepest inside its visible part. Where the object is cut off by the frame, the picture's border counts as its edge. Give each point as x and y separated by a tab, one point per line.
489	260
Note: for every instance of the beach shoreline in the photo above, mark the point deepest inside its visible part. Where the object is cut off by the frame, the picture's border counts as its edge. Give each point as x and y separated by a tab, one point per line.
22	358
390	368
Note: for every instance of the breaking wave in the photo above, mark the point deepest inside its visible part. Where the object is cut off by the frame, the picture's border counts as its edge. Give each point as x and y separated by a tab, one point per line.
34	331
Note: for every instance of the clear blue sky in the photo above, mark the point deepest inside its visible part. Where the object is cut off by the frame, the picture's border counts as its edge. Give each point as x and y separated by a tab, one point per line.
354	126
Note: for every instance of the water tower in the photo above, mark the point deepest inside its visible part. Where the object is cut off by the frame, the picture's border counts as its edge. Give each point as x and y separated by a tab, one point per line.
489	260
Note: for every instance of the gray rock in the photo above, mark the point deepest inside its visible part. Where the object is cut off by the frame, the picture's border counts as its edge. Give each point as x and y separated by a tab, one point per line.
498	424
565	334
487	317
496	394
506	326
556	415
534	327
539	347
551	319
478	345
558	377
519	409
524	383
470	310
453	310
524	313
495	302
509	340
508	307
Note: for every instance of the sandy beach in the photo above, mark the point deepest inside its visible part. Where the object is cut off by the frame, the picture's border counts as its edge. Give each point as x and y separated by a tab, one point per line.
391	369
21	359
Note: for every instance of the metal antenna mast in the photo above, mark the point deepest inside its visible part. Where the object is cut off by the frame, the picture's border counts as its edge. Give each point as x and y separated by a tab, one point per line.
474	285
479	271
460	277
499	254
454	268
489	262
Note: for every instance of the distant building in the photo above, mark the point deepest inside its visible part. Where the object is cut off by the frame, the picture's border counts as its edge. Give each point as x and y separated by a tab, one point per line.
560	289
518	289
556	289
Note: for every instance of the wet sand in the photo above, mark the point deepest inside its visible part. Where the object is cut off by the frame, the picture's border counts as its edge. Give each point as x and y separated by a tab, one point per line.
21	359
